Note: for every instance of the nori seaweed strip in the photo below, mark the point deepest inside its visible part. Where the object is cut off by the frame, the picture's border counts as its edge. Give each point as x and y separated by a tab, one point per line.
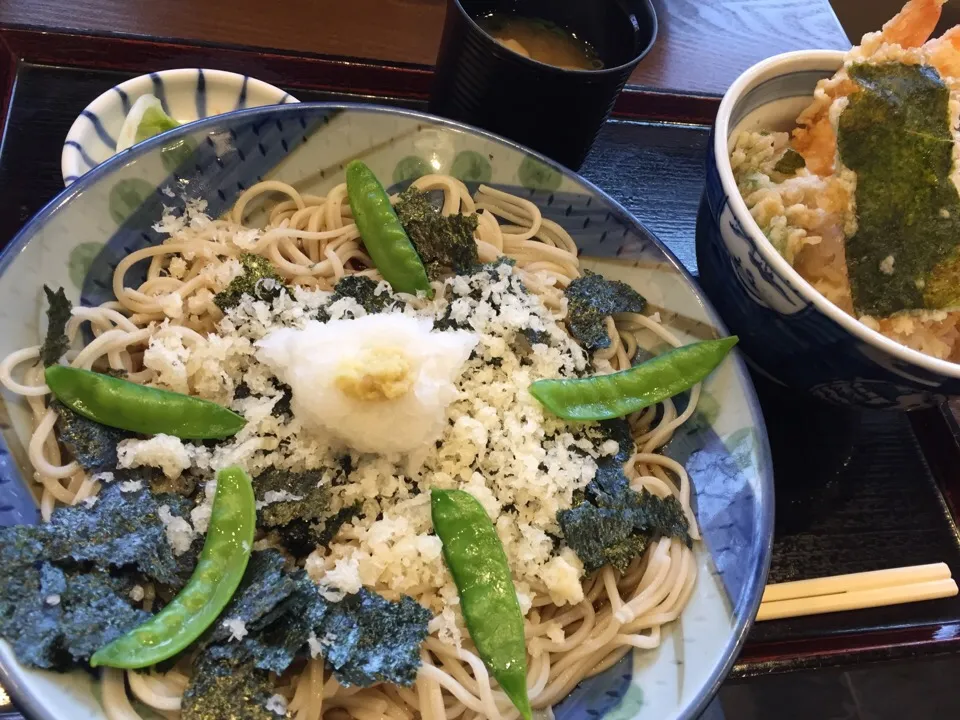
613	529
265	585
29	623
313	502
895	134
789	163
225	689
330	526
365	637
610	523
364	291
55	344
121	529
160	484
302	537
97	610
275	639
442	241
259	279
368	639
54	617
590	300
92	445
601	536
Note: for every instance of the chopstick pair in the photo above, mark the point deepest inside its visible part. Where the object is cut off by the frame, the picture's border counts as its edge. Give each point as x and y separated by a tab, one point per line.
856	591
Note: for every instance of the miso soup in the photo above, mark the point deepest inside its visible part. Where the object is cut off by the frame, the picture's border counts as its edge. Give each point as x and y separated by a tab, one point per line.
541	40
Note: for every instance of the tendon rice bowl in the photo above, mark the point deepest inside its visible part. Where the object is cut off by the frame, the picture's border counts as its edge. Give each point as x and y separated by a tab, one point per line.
809	214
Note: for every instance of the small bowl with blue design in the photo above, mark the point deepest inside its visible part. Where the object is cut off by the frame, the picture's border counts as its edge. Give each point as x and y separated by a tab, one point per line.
789	331
185	94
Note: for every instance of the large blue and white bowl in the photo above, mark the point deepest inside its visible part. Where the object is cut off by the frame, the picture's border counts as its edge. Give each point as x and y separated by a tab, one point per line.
76	241
788	330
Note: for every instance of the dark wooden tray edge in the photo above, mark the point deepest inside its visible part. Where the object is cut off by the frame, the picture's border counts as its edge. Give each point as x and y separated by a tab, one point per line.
309	71
846	649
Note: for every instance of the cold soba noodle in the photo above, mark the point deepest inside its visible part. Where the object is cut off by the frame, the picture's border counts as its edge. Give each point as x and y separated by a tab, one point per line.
313	242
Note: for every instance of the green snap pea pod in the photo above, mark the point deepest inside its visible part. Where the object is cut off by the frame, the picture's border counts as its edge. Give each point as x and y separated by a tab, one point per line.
603	397
488	598
383	235
223	560
122	404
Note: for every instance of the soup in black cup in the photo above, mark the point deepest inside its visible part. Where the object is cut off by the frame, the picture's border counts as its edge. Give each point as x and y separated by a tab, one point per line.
545	73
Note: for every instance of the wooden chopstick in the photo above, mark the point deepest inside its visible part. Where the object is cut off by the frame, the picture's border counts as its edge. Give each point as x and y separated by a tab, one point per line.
855	581
856	591
858	599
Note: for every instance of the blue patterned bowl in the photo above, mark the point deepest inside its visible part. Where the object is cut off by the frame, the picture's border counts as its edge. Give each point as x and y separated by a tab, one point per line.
186	94
77	240
788	330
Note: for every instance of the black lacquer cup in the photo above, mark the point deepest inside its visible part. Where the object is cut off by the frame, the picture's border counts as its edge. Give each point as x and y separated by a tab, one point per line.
550	109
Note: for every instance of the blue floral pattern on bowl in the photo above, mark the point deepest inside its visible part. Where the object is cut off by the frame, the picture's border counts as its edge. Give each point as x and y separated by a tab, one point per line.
788	331
78	239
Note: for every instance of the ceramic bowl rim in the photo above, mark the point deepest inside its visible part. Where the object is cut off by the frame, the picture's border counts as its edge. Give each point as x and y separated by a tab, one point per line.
33	708
743	84
68	164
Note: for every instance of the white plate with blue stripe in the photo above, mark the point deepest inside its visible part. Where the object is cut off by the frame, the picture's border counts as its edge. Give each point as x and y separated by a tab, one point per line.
186	94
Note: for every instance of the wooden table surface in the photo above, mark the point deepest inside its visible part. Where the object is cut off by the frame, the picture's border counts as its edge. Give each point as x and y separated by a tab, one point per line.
702	46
